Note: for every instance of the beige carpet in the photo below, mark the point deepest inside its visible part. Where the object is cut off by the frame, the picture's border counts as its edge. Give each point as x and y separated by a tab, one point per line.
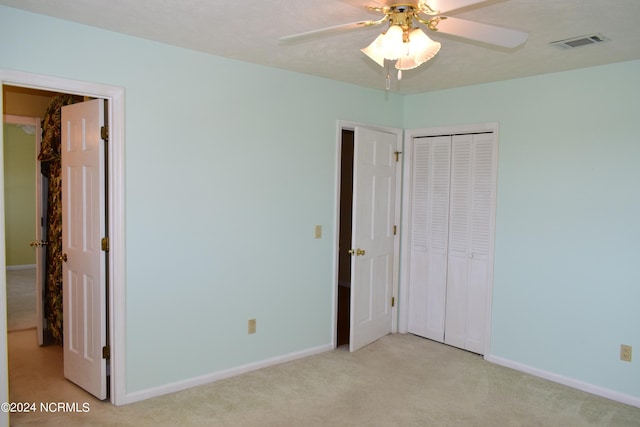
21	299
400	380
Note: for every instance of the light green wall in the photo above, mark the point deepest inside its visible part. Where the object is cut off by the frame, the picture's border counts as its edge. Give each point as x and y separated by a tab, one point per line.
19	195
229	167
567	283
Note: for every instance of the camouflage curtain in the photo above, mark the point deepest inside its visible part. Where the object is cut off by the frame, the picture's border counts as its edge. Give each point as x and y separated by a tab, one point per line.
50	159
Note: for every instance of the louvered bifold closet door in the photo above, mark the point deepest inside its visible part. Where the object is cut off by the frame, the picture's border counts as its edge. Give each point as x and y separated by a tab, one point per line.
429	236
472	200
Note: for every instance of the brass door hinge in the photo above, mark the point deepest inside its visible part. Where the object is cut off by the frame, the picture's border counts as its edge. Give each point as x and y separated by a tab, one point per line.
105	244
393	301
395	230
397	153
104	132
106	352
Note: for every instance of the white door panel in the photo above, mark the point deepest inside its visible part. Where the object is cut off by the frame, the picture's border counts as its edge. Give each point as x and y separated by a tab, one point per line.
429	236
458	257
480	241
372	233
418	300
83	226
456	304
477	297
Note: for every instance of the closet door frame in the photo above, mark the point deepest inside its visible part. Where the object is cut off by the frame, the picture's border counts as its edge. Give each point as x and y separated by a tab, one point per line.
407	191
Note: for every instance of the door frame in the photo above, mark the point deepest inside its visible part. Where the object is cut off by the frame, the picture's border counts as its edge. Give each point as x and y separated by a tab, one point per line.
115	194
349	125
403	326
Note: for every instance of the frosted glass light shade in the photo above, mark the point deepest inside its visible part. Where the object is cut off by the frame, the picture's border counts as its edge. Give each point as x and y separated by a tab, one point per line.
390	45
373	51
421	49
387	45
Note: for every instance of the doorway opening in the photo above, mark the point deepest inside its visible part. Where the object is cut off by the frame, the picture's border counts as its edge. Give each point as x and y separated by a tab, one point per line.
49	189
114	193
344	244
21	194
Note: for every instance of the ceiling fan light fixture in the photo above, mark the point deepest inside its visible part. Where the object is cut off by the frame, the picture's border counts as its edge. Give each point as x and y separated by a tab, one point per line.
409	49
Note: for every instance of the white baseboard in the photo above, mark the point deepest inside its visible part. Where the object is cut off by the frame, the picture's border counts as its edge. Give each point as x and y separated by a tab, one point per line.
220	375
579	385
21	267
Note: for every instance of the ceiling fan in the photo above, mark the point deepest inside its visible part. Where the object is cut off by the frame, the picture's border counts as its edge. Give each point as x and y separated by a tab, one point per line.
404	41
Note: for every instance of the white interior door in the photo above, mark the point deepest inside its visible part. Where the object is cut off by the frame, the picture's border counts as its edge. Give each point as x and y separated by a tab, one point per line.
83	227
373	238
470	240
429	236
457	302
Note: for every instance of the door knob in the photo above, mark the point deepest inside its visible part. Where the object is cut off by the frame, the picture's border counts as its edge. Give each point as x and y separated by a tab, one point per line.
357	252
64	257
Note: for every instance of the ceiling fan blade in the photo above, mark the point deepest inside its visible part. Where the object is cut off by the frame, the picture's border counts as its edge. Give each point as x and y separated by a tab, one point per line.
485	33
438	6
363	4
442	6
329	30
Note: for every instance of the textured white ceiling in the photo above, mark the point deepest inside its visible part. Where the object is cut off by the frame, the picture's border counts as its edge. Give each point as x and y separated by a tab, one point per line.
249	31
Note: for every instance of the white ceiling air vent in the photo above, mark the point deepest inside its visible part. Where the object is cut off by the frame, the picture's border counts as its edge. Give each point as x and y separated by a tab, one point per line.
580	41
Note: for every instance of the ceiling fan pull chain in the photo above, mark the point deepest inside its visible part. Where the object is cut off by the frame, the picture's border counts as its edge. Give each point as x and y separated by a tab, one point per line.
388	81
